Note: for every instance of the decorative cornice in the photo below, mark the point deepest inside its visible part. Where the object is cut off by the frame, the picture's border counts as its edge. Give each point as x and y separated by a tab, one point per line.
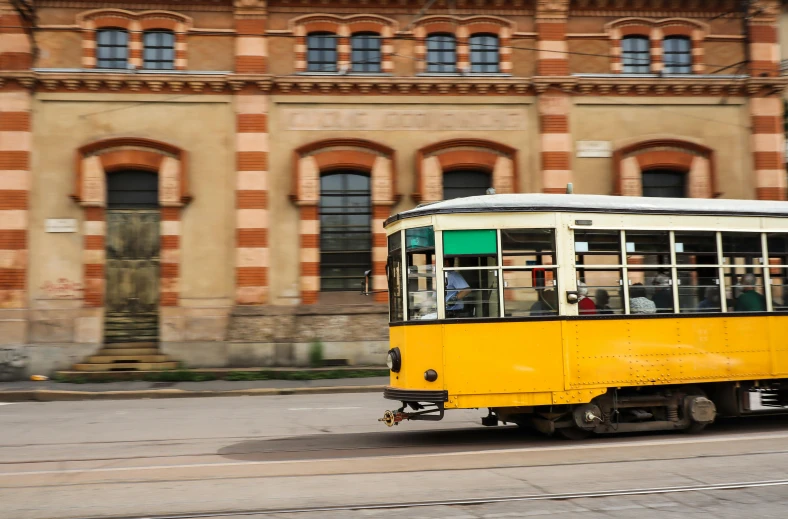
350	85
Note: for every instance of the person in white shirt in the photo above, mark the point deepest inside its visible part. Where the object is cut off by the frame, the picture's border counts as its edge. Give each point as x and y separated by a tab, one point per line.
638	302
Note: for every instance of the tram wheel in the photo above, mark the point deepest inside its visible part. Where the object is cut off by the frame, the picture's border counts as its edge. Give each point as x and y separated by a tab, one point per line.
694	427
572	433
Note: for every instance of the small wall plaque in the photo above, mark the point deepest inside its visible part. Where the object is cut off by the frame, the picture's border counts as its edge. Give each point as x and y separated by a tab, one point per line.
61	225
594	149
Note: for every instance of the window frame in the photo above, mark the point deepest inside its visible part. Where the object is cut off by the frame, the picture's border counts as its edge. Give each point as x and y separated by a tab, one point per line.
636	55
485	52
113	47
345	194
687	53
441	53
324	64
158	49
367	54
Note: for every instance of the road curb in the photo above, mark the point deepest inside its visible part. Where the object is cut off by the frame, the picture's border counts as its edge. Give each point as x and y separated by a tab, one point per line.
51	395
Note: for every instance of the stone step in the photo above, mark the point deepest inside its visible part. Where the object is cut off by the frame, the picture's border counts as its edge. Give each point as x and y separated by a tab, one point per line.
134	344
113	358
127	366
127	351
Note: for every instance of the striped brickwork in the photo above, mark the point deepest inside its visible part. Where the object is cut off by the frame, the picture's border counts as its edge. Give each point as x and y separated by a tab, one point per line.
766	111
463	29
556	152
656	31
344	28
136	24
251	198
768	145
251	148
15	150
95	162
310	161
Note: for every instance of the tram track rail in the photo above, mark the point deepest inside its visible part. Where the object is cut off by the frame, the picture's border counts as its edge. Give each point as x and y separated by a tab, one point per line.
716	487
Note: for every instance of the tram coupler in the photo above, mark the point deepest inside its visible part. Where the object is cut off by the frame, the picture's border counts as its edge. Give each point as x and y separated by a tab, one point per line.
391	418
490	420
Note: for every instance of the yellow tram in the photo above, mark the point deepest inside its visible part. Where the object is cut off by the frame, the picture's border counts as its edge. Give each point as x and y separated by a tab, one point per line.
580	314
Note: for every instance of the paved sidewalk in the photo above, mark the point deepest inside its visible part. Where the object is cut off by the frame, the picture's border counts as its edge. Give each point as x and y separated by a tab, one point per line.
47	391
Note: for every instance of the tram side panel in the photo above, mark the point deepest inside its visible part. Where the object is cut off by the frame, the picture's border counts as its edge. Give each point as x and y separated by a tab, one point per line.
503	364
778	332
641	352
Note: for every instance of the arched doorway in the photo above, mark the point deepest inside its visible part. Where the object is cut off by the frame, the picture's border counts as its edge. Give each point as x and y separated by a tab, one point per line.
132	257
345	230
461	183
665	183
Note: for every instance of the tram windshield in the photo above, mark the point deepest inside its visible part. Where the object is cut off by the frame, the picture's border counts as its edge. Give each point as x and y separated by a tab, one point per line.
422	290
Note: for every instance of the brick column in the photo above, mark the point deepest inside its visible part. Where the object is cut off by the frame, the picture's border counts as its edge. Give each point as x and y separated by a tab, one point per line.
310	253
657	59
15	148
135	45
556	141
553	105
551	21
768	142
251	57
768	146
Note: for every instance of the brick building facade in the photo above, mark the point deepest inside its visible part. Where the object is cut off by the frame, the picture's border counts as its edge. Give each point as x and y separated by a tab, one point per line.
276	136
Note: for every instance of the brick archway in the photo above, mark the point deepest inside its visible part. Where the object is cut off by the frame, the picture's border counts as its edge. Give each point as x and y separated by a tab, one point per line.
432	161
312	160
694	159
94	162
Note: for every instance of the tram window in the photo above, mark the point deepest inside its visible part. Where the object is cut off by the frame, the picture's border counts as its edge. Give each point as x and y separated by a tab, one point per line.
699	290
696	248
421	284
394	275
470	293
656	285
603	289
742	248
470	278
530	293
779	282
777	244
597	247
744	289
648	247
528	247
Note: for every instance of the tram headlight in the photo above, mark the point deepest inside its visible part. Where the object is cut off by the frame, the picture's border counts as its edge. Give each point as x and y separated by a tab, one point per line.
394	360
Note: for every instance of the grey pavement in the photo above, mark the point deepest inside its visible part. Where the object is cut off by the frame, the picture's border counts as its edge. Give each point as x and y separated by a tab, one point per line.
211	385
68	460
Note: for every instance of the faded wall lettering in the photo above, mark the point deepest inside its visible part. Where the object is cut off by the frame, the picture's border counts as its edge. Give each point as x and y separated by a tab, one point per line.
494	119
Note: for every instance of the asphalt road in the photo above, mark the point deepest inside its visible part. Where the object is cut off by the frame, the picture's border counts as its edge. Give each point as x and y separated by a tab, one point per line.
154	457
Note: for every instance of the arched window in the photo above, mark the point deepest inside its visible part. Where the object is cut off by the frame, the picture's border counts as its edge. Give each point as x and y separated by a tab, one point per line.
636	54
365	52
112	49
484	53
460	183
132	189
441	53
159	50
345	230
321	52
677	55
665	183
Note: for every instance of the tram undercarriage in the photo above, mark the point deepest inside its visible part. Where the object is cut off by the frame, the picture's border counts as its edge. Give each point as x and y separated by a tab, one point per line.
677	408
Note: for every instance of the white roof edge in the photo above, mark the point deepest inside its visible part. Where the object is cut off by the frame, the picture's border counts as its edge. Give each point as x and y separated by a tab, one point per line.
599	203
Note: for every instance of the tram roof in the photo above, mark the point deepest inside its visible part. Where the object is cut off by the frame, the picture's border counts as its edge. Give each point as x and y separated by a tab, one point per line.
540	203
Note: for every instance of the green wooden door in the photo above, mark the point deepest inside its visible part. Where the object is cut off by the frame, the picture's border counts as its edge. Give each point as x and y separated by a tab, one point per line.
132	291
